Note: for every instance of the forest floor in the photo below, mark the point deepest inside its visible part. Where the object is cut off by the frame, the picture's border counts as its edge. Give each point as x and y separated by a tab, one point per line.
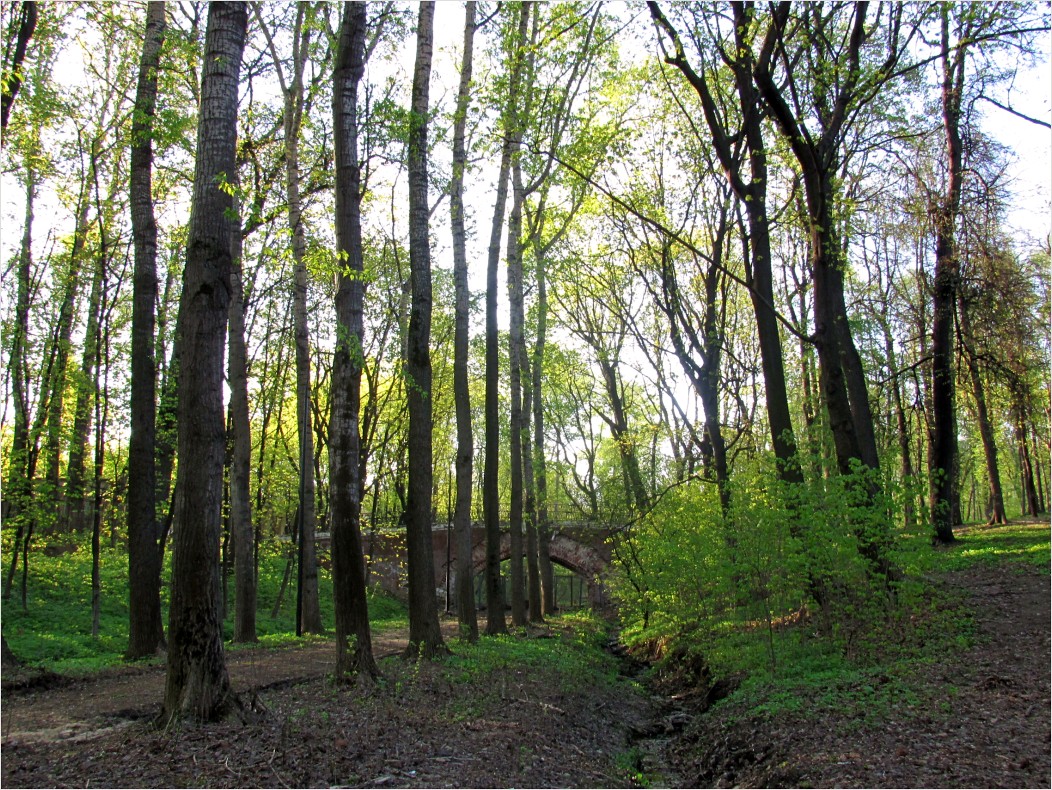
977	717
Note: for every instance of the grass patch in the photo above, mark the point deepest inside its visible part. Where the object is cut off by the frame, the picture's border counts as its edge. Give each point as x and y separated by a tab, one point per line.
54	631
572	650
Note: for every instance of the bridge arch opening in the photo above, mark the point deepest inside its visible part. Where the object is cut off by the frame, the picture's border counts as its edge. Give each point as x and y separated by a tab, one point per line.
581	560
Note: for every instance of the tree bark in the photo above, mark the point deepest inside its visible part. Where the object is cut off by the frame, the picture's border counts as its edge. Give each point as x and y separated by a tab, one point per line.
495	623
145	623
425	636
354	652
241	531
27	24
943	472
997	513
465	583
544	561
516	345
19	481
197	685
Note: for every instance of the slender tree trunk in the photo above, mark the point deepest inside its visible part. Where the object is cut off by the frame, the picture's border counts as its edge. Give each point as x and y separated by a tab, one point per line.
465	583
425	636
354	652
310	613
101	388
997	513
27	24
197	685
529	484
544	561
241	455
495	623
516	345
19	483
145	623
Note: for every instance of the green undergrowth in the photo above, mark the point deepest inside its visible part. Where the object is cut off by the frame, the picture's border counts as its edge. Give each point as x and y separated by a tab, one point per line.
863	663
571	646
54	630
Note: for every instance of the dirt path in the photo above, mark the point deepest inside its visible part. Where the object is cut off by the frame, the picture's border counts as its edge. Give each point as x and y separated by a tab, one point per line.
57	708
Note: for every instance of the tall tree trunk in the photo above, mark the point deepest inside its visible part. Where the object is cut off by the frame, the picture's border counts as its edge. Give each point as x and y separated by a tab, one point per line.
516	347
425	636
529	484
997	513
943	470
354	652
18	485
465	583
241	455
544	561
101	369
309	618
197	685
145	624
27	24
495	623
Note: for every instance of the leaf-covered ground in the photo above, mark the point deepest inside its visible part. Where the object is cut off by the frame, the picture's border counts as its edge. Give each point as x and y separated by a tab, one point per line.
554	709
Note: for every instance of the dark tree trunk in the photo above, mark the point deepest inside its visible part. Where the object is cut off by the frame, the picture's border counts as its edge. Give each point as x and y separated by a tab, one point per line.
354	651
495	623
18	484
197	684
943	470
544	561
533	571
516	345
997	513
465	583
145	623
425	636
27	24
241	531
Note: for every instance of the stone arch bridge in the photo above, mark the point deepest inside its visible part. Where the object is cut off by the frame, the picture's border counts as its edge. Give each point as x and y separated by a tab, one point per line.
579	546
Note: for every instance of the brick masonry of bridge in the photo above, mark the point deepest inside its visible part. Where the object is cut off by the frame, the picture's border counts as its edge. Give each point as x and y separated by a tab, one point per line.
580	548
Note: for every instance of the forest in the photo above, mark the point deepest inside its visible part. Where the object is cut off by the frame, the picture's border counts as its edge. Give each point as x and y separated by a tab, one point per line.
748	300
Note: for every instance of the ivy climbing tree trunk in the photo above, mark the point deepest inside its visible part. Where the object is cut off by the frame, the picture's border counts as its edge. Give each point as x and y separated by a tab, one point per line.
425	636
197	685
145	624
